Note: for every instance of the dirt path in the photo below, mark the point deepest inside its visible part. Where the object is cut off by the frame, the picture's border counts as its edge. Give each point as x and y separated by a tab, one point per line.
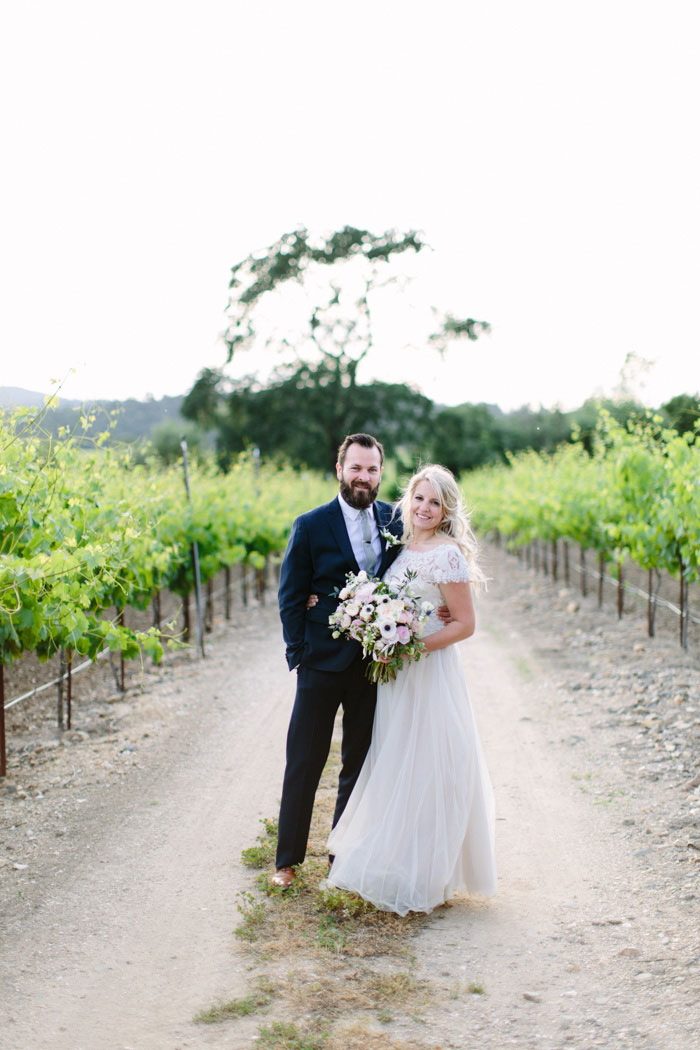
118	930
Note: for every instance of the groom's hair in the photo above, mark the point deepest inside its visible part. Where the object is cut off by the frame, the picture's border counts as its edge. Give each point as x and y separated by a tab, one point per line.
366	440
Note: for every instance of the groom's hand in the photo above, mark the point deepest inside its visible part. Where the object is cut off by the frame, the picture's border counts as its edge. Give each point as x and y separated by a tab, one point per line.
444	614
311	601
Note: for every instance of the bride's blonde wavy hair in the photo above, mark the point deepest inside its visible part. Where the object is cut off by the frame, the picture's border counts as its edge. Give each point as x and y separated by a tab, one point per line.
455	523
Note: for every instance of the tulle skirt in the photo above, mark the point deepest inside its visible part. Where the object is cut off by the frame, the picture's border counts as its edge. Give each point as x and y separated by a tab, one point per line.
419	825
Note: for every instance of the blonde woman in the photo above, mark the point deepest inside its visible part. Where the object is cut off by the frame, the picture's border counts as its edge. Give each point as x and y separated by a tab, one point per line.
419	824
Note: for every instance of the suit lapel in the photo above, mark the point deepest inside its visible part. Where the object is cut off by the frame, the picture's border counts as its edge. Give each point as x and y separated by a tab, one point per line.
383	515
381	519
336	522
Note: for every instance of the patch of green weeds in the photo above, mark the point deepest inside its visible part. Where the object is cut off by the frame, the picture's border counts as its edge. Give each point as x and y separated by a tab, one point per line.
271	827
471	988
259	999
284	1036
254	916
385	1017
393	986
343	904
258	856
263	853
331	934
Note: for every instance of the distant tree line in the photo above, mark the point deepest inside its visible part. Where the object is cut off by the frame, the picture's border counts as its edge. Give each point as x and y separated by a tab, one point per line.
303	419
130	421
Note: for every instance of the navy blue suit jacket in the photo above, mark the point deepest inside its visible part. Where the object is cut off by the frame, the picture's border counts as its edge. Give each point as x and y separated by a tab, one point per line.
318	557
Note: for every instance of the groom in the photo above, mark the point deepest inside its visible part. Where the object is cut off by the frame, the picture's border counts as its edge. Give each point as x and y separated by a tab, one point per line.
343	536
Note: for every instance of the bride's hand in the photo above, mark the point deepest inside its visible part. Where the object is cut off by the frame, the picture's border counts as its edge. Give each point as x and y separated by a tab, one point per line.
382	658
311	601
385	658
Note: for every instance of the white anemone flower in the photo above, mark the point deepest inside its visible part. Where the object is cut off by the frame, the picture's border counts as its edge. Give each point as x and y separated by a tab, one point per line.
388	630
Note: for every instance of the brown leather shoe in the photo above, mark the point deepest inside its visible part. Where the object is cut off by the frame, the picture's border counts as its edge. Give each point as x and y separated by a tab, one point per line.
283	877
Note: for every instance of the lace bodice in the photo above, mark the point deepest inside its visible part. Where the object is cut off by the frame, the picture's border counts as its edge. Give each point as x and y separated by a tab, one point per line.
442	564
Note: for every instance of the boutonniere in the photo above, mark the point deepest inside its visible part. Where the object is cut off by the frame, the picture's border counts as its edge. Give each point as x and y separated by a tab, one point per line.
391	540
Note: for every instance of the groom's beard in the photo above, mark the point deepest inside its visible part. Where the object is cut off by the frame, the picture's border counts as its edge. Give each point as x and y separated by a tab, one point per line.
358	496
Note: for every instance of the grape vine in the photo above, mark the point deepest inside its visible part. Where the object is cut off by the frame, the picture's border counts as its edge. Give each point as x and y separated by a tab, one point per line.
635	496
86	533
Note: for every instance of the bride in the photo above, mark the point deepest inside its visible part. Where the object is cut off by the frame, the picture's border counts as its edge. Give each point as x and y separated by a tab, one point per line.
419	825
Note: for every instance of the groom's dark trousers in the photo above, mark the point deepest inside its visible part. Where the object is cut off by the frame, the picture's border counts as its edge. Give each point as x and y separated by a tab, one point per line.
330	671
319	694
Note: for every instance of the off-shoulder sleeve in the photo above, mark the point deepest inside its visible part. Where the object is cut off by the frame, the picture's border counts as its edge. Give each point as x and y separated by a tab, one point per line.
450	565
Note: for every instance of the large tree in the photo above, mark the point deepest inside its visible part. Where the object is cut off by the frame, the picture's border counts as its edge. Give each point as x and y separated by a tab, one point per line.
467	436
683	412
307	307
303	421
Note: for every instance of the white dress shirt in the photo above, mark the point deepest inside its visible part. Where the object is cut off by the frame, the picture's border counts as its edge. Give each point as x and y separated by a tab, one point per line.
353	523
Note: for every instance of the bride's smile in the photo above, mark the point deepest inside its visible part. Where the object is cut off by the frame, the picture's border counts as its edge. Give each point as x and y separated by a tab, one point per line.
426	511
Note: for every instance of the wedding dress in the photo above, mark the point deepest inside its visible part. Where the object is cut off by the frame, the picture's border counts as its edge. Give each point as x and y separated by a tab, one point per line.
419	825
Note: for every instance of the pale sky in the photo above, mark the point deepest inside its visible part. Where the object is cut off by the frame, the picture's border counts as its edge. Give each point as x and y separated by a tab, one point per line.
549	152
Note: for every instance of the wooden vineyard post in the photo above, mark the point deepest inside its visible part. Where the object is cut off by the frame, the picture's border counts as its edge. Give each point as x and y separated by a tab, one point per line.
156	610
555	560
651	604
227	592
69	689
61	678
122	671
620	592
3	752
186	616
582	564
209	607
683	602
567	578
260	583
195	556
601	578
244	582
545	558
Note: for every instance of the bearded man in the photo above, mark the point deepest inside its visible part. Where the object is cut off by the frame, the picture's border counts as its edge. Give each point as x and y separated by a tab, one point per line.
346	535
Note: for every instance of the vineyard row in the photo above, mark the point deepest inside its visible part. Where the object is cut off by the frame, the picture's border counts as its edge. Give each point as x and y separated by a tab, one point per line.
85	535
633	498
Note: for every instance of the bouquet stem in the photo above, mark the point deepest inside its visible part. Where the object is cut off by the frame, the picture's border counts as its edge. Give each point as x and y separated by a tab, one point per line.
378	672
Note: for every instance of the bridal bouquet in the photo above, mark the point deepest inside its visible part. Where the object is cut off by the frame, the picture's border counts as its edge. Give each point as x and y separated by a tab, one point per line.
388	622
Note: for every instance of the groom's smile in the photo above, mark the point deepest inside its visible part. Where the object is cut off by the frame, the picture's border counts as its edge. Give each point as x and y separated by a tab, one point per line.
359	475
